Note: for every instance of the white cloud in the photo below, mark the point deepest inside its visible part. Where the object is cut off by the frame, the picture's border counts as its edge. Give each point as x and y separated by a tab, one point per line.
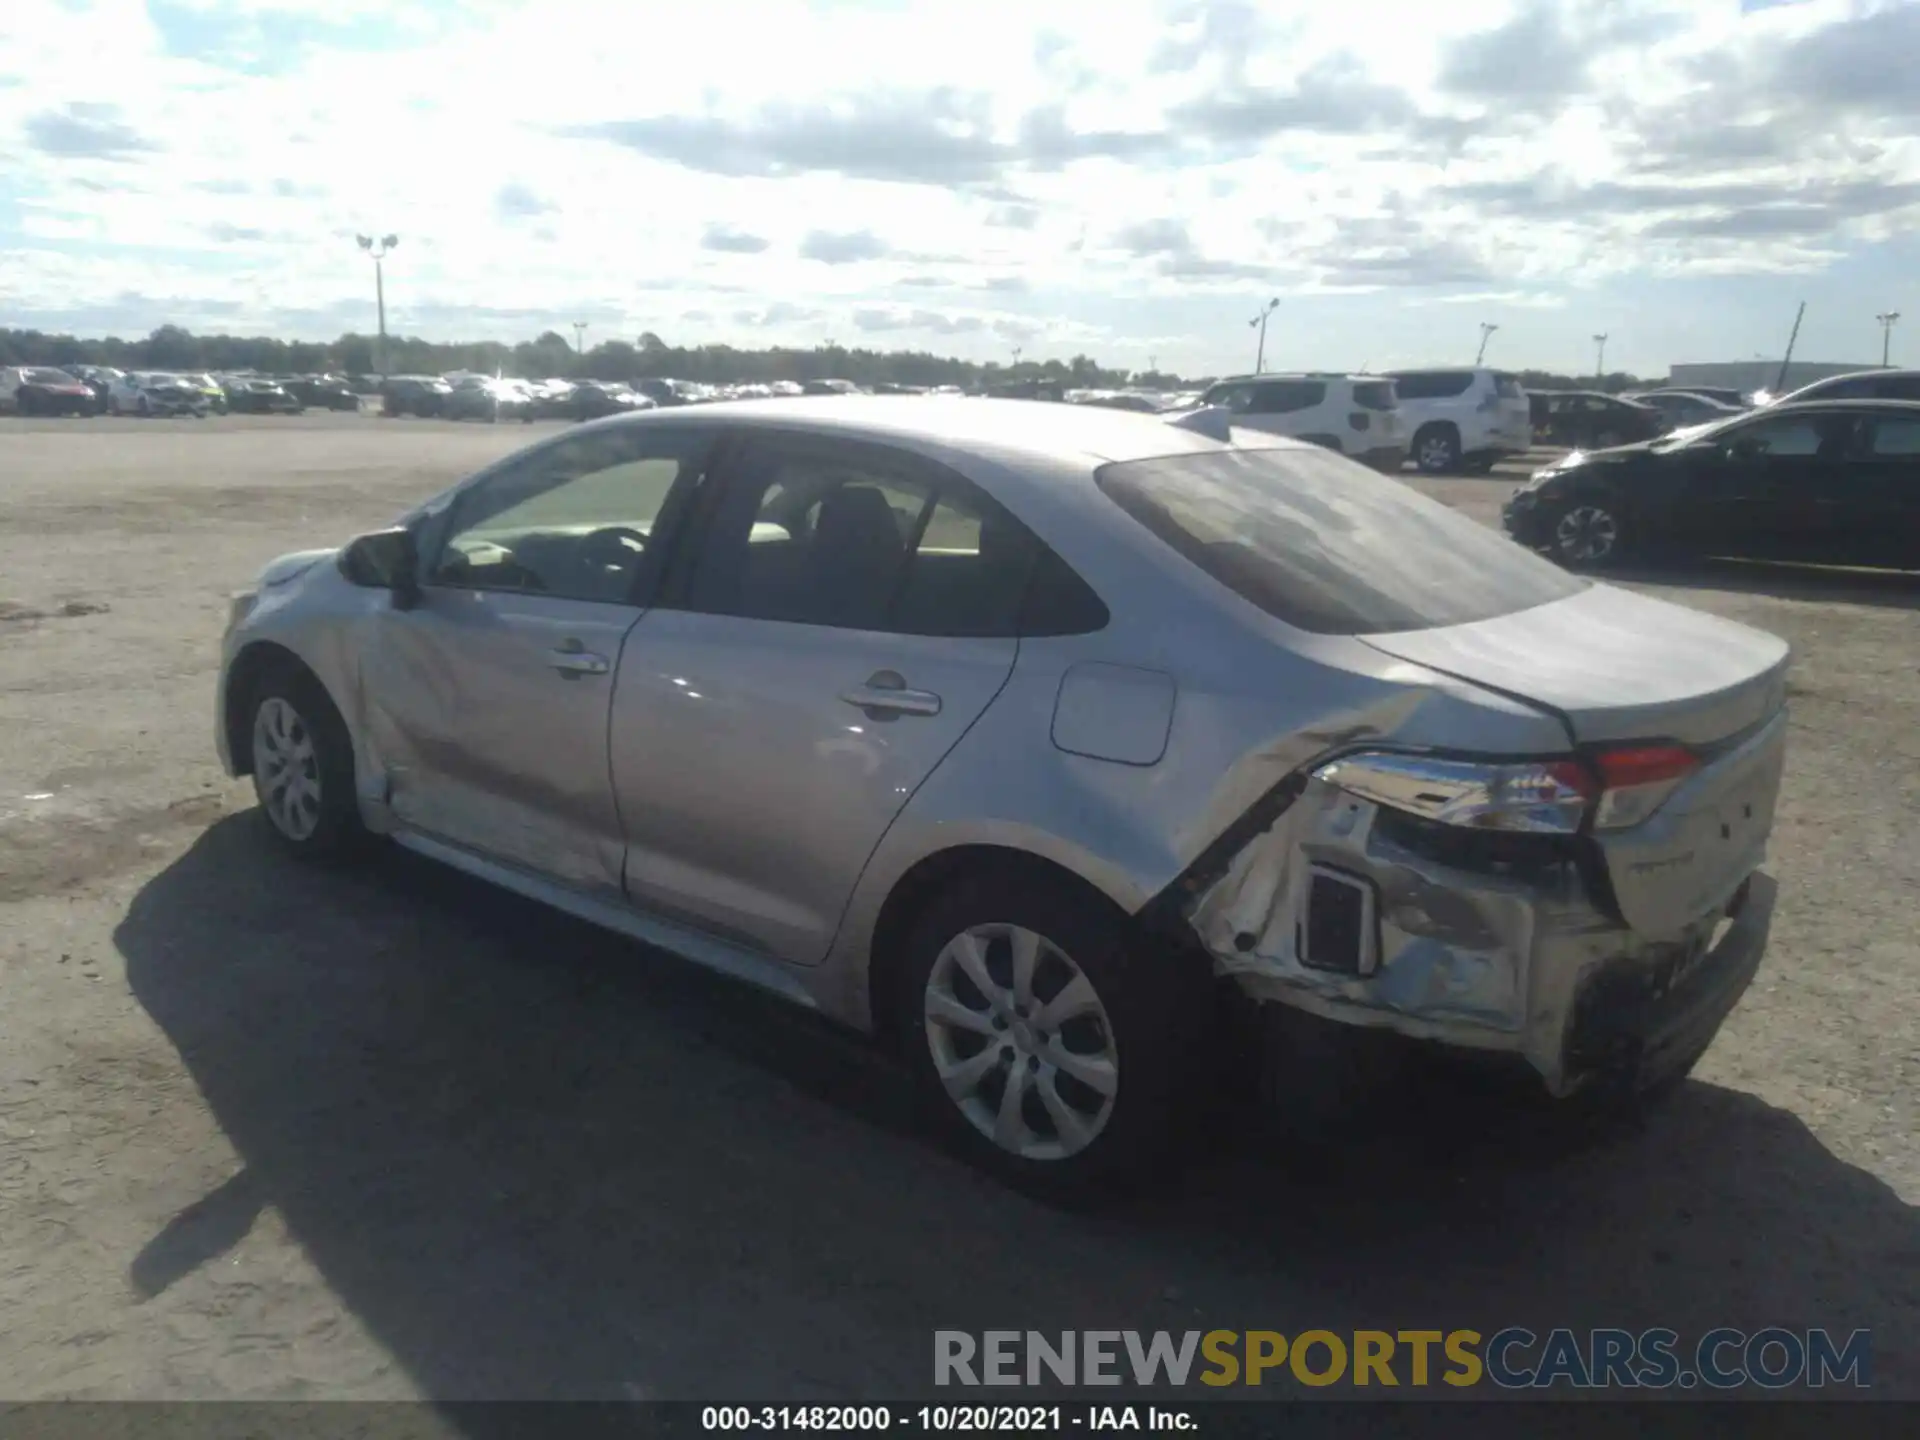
867	164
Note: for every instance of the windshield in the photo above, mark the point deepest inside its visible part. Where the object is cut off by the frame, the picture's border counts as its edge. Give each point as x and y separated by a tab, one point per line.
1709	429
51	377
1330	546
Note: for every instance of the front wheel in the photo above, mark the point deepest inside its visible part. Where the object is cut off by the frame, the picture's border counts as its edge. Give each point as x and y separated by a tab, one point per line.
303	768
1047	1042
1589	533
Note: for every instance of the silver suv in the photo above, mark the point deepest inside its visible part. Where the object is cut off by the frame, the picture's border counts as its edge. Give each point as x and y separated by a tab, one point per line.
1464	418
1355	415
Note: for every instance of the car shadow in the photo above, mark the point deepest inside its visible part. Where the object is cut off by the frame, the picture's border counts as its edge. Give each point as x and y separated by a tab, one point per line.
537	1161
1888	589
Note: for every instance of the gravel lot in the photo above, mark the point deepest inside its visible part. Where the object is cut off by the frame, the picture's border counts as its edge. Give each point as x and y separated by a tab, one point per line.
272	1133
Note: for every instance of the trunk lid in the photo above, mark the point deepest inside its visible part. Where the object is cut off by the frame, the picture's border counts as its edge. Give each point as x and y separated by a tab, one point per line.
1619	668
1615	666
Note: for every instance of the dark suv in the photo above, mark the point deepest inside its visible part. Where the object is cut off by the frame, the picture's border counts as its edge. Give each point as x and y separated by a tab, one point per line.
1860	385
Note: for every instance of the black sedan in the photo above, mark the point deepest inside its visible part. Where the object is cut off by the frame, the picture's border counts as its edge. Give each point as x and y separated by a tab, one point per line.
593	399
1827	482
1590	419
261	397
323	392
414	395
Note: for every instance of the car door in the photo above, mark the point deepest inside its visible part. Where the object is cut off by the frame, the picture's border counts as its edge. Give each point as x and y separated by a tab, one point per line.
1775	493
847	615
1880	495
486	704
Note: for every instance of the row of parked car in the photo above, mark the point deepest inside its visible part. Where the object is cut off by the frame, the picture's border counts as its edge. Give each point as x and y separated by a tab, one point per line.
102	390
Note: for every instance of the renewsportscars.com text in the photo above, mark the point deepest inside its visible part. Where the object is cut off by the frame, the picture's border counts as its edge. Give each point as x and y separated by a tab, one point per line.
1513	1358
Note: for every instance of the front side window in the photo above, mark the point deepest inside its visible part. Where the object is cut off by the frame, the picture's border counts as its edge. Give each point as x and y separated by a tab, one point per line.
1895	439
574	519
1329	546
1237	398
1795	437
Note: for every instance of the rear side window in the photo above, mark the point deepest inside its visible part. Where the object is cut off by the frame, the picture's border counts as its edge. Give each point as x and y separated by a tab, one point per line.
1896	438
1238	398
1432	384
1285	397
1329	546
1507	387
1375	395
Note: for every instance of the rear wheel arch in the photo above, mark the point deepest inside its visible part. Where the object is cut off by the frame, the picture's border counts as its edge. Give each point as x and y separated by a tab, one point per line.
932	876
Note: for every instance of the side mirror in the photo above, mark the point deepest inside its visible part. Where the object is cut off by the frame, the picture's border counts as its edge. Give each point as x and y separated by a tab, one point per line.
385	560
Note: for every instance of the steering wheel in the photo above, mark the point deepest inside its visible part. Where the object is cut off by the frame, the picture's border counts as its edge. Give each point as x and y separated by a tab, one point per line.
613	545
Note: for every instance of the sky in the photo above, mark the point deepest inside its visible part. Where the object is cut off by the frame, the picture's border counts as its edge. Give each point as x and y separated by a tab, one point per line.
1131	179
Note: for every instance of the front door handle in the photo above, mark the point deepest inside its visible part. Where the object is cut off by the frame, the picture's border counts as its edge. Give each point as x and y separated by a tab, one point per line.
886	693
571	658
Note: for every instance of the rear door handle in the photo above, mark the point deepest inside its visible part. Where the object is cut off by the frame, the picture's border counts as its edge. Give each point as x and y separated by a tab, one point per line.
571	658
886	693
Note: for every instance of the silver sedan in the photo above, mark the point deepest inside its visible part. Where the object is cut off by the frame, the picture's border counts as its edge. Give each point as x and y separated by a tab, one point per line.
1022	736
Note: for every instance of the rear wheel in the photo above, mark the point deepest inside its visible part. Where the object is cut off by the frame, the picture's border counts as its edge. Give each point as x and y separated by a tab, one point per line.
1436	449
1046	1041
302	761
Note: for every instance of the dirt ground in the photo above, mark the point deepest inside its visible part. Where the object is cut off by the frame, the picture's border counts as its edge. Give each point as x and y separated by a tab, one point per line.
267	1132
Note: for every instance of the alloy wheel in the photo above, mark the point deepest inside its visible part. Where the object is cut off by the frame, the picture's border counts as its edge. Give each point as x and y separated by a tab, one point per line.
1021	1042
286	768
1586	533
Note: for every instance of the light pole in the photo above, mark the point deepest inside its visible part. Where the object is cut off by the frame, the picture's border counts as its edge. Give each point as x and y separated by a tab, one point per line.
1259	322
1017	353
1887	322
1600	357
1486	333
378	251
579	337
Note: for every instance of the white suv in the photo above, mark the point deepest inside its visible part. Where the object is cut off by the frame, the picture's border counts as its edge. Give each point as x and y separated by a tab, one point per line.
1356	415
1463	418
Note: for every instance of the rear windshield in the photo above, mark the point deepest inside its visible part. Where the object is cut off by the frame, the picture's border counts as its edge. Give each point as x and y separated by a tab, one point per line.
1330	546
1374	394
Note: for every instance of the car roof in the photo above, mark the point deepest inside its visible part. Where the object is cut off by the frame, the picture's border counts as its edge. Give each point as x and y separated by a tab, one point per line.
1801	407
1295	375
1039	431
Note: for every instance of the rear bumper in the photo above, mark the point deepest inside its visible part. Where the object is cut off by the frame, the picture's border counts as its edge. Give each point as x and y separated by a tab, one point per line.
1515	958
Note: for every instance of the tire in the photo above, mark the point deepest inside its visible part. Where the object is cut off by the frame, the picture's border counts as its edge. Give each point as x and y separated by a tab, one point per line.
1436	449
294	731
1101	1124
1589	532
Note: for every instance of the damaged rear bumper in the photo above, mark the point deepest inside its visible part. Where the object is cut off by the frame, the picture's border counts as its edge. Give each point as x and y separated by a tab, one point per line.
1365	917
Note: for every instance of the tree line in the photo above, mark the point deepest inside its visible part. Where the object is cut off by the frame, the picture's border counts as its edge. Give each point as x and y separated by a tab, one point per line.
173	348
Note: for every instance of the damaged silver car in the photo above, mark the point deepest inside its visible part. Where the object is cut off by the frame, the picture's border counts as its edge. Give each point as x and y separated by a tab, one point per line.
1013	733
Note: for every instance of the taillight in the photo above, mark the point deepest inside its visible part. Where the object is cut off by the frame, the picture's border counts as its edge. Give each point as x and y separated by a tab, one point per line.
1636	780
1619	788
1536	796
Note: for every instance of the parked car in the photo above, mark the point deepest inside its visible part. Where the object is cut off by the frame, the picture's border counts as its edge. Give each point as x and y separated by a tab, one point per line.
151	393
211	389
829	387
1738	399
423	395
1591	419
1356	415
44	390
1026	736
1467	418
1679	409
597	399
1859	385
552	399
1823	481
480	397
97	378
262	397
323	392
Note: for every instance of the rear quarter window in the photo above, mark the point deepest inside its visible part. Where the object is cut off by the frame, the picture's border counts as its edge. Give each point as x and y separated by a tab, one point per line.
1375	395
1508	387
1327	545
1432	384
